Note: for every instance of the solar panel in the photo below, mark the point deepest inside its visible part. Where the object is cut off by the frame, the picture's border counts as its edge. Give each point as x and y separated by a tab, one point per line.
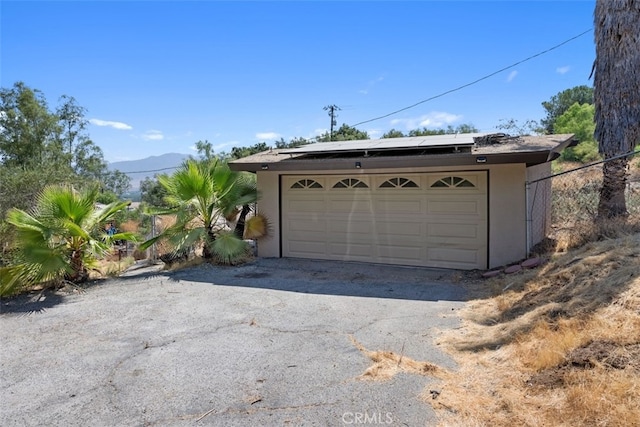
407	143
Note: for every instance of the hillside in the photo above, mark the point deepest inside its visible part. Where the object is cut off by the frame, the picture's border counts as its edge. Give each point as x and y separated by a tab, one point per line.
559	345
138	170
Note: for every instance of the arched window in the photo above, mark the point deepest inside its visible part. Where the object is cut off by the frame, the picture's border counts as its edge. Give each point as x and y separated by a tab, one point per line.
452	181
306	183
350	183
398	183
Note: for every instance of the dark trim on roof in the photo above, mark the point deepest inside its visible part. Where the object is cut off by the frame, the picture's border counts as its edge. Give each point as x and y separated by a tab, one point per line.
489	155
297	164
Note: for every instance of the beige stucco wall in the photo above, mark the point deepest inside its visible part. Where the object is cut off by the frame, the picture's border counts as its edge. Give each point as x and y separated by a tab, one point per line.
507	225
269	205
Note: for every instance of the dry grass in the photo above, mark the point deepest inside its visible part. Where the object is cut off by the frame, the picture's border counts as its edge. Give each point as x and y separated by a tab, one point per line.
130	226
561	347
386	364
111	267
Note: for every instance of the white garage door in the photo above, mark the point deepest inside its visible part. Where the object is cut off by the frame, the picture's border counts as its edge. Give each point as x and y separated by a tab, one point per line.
433	220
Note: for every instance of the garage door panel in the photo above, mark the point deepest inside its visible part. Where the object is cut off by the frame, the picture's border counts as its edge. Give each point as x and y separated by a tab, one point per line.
306	235
345	227
395	228
397	253
438	227
306	225
317	248
454	207
339	205
390	207
352	250
453	256
467	231
306	205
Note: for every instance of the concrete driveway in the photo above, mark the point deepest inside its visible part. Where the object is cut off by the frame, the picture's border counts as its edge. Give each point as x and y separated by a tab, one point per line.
267	343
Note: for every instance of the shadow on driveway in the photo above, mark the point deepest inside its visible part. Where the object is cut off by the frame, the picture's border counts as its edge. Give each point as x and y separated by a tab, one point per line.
333	278
285	274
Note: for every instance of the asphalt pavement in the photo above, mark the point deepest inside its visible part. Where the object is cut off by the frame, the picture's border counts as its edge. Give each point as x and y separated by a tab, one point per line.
266	343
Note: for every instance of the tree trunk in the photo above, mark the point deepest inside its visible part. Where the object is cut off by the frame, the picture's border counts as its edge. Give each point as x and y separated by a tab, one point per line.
78	273
239	230
207	252
616	83
612	194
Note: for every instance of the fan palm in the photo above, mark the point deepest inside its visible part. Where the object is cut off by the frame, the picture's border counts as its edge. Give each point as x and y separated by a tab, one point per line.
202	194
59	238
616	96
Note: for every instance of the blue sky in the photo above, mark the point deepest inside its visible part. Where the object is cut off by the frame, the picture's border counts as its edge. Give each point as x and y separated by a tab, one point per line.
157	76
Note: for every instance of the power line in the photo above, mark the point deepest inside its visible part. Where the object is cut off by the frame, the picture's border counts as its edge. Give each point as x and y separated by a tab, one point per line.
154	170
476	81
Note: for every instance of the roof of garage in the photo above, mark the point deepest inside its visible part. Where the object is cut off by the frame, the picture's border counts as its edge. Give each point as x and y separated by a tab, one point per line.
438	150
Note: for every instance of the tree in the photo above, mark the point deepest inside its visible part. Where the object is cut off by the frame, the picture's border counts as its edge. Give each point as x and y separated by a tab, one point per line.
60	238
293	143
117	182
27	128
578	120
393	133
54	144
463	128
153	193
344	133
40	147
72	121
617	96
201	194
513	127
240	152
205	150
560	103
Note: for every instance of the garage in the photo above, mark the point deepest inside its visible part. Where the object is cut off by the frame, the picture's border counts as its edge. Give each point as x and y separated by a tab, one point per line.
458	201
427	219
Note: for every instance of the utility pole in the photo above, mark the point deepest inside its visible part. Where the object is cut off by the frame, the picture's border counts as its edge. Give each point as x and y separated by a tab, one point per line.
332	113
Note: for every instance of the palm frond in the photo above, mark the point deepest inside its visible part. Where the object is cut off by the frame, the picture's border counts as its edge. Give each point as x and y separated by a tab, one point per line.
229	249
257	226
11	280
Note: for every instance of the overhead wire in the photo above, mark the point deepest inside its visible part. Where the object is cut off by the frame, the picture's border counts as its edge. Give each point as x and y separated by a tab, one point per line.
477	80
438	95
153	170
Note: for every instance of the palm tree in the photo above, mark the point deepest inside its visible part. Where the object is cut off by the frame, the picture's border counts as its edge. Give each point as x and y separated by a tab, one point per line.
202	194
61	236
616	96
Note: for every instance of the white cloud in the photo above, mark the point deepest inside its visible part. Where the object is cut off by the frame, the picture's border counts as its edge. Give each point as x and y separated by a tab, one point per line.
434	119
267	135
112	124
512	75
370	84
374	133
563	70
153	135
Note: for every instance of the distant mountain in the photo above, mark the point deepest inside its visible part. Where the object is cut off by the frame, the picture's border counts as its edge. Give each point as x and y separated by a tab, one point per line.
138	170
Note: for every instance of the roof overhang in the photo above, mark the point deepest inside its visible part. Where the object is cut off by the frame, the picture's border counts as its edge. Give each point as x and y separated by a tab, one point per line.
530	150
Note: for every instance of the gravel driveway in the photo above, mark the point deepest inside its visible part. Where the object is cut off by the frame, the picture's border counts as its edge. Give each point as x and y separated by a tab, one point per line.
267	343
